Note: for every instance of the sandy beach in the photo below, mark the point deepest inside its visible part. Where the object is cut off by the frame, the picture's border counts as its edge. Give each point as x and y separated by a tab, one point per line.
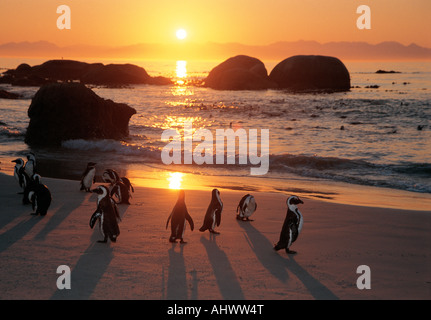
238	264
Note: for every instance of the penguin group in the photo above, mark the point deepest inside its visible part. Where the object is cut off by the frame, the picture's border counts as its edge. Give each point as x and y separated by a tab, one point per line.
118	191
33	190
179	217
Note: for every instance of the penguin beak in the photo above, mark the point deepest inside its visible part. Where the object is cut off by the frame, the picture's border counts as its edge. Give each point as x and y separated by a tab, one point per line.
16	161
300	201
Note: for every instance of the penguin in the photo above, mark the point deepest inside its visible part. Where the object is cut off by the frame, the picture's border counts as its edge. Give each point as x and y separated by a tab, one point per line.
107	215
88	177
110	176
19	173
292	225
128	184
40	198
213	214
30	186
246	207
121	192
179	216
30	165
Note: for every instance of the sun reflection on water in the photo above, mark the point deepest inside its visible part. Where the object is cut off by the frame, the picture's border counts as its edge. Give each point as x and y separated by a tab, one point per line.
181	71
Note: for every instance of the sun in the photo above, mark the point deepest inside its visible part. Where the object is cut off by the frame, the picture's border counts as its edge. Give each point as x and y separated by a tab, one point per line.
175	179
181	34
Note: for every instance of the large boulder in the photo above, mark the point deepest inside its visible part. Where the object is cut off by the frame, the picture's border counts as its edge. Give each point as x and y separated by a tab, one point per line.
88	73
64	111
239	73
309	73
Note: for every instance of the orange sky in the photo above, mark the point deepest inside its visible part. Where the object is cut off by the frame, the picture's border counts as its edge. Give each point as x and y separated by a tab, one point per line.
259	22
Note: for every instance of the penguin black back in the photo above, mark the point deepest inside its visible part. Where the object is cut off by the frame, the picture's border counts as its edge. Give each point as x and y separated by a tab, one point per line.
40	198
178	217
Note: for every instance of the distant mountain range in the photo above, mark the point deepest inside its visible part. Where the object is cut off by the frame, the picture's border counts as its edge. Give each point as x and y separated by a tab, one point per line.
214	51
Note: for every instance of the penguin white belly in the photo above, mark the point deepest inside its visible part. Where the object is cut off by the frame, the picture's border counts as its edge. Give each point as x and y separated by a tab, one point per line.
101	225
301	221
88	179
29	169
290	238
35	203
213	217
250	208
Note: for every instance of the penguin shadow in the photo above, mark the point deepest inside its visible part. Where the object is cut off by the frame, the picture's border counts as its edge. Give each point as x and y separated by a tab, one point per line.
87	272
278	265
17	232
225	275
264	252
58	216
177	280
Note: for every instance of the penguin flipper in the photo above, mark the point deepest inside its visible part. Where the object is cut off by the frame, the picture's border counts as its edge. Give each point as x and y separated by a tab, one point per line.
96	215
190	220
169	218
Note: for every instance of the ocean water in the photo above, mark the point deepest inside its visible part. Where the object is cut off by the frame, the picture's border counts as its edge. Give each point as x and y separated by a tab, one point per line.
366	137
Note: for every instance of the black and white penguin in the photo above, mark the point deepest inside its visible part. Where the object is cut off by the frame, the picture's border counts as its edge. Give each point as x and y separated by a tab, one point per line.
88	177
213	214
178	217
246	207
292	225
120	192
19	173
128	184
107	215
110	176
34	180
39	197
30	165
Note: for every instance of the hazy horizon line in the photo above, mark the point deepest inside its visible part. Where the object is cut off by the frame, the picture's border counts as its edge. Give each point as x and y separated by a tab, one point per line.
347	50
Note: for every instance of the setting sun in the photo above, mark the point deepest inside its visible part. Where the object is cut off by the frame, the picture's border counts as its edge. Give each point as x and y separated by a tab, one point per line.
181	34
175	179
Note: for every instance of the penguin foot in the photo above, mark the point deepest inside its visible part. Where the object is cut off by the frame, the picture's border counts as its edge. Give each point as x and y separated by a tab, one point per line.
34	213
102	241
182	241
290	251
172	240
277	247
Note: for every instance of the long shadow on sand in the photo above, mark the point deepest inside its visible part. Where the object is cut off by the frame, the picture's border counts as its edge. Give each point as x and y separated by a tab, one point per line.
58	216
225	275
177	281
17	232
88	271
278	265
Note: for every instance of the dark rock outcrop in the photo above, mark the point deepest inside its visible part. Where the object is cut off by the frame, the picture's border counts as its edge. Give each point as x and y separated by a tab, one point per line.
87	73
239	73
63	111
311	73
